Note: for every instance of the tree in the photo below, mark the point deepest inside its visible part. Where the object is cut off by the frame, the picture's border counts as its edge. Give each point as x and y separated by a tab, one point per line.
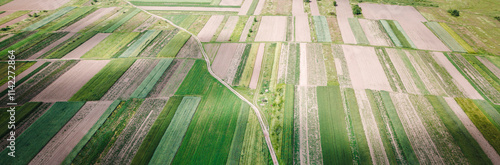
454	12
334	3
356	10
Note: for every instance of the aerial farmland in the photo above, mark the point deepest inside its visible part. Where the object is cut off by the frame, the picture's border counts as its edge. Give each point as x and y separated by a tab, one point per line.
250	82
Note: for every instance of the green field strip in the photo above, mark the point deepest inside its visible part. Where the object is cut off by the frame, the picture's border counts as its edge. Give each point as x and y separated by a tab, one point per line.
18	82
390	71
457	38
174	45
173	136
147	84
198	81
190	19
111	45
239	135
246	75
403	33
489	111
358	32
235	36
287	143
332	120
359	143
416	78
24	44
398	128
13	16
69	158
494	60
42	130
445	36
331	70
275	67
468	145
322	30
252	8
241	66
391	33
155	134
489	131
14	39
20	66
49	19
378	112
103	139
71	45
20	112
140	44
122	21
488	75
52	37
72	17
96	87
211	131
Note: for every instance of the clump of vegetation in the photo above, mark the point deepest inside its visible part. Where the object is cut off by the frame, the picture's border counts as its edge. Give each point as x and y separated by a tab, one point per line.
497	18
333	13
6	28
356	10
454	12
334	3
254	19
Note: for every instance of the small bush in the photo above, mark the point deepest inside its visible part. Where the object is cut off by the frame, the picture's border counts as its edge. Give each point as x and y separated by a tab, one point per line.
254	19
497	18
250	30
356	10
332	13
454	12
334	3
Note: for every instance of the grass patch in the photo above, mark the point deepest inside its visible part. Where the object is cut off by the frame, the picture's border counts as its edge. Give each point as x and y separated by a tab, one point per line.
42	130
104	138
331	70
400	34
96	87
359	34
52	37
147	85
68	19
489	131
239	135
235	36
457	38
332	119
288	130
90	133
197	81
174	45
322	30
111	45
489	111
48	19
24	44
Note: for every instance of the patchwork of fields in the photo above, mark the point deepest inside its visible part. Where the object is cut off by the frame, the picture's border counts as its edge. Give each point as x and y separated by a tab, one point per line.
247	82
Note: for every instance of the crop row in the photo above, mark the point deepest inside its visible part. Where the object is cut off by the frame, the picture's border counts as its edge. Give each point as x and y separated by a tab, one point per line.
359	34
48	19
147	85
122	21
445	36
111	45
140	44
174	45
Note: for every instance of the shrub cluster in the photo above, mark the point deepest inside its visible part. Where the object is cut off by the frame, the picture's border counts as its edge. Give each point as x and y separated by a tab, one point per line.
356	10
454	12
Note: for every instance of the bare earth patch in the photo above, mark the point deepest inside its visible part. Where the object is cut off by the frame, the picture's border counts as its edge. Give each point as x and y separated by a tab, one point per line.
272	28
66	139
411	21
230	2
374	33
210	28
245	7
344	12
33	5
70	82
227	60
85	47
298	7
12	22
495	70
314	7
302	31
403	72
365	69
256	69
190	50
259	7
175	81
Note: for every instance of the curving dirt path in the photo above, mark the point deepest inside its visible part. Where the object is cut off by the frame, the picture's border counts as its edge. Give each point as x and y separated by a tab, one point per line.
255	109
